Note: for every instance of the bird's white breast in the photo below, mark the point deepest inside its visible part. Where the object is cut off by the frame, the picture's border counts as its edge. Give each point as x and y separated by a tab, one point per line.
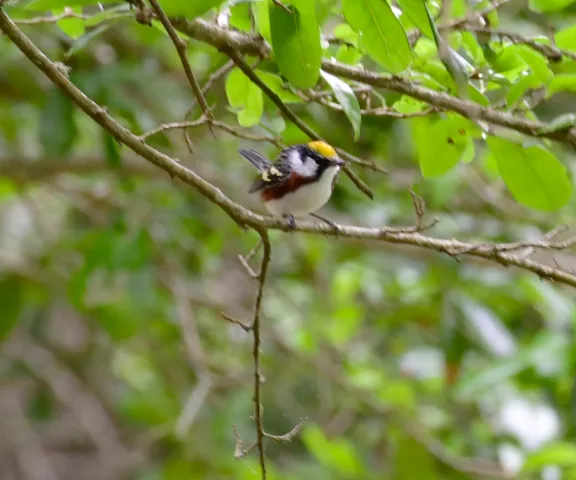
307	199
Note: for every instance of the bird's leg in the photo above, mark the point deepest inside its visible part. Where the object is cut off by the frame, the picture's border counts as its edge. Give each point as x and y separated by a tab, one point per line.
329	222
291	221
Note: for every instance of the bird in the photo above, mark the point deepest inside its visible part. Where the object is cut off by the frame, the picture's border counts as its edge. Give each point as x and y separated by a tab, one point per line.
299	182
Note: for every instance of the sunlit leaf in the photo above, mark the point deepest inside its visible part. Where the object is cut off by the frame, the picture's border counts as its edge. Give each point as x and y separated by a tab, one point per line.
73	27
533	175
188	9
347	99
415	10
245	96
566	38
383	37
562	83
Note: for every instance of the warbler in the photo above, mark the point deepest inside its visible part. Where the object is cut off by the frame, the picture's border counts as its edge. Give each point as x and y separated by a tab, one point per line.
299	182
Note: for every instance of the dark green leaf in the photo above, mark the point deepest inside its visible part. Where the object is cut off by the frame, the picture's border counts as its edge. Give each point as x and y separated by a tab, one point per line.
296	42
81	42
57	126
383	37
12	303
347	99
533	175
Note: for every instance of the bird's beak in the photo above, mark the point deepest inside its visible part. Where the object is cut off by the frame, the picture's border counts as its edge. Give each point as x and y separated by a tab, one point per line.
338	162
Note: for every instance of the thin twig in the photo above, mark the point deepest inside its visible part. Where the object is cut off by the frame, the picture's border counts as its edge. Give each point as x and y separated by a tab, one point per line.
181	49
256	350
172	126
289	436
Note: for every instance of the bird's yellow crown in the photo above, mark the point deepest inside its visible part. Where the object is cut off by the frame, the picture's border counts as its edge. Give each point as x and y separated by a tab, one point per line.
322	148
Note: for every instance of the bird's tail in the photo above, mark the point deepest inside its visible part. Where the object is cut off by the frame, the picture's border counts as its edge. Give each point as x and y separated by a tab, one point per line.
259	161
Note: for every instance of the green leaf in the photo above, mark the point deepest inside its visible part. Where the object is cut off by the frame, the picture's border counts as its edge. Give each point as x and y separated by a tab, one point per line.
57	126
533	175
408	105
337	455
262	17
566	39
240	17
383	37
296	42
517	91
73	27
58	4
81	42
246	96
188	9
562	83
440	144
415	10
549	5
11	299
536	61
347	99
413	461
561	454
345	33
275	83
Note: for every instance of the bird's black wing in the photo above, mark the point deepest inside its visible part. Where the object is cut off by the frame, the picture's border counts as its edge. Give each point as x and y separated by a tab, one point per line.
259	161
272	175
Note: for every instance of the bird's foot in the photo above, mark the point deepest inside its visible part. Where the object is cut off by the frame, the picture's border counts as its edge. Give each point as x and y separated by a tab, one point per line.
291	221
325	220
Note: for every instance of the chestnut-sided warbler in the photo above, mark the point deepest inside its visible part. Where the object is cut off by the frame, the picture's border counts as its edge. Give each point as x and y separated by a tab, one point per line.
299	182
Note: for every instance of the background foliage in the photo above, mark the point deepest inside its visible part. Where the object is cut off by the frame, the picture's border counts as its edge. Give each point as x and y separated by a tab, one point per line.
116	361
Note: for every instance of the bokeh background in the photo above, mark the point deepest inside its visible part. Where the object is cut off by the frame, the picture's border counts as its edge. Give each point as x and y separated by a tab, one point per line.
116	361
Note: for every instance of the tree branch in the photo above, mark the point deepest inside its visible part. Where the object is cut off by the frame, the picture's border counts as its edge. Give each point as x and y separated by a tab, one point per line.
249	44
243	216
255	328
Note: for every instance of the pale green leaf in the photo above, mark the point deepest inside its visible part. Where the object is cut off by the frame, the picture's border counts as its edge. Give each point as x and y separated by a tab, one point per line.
275	83
188	9
383	37
517	91
246	97
296	42
441	143
566	39
73	27
549	5
561	454
562	83
533	175
415	10
58	4
347	99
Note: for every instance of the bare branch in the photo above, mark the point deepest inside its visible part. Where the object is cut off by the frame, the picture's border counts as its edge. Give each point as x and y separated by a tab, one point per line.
256	350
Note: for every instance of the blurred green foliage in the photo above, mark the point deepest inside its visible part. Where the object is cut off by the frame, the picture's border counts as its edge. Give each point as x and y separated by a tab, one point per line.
407	364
